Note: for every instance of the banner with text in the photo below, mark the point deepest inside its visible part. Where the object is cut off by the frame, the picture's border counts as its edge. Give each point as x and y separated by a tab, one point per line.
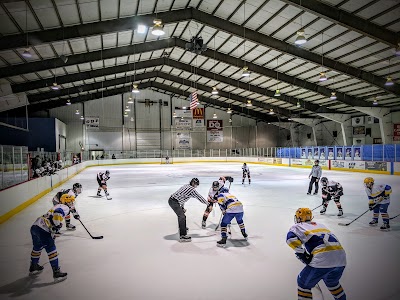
215	133
92	122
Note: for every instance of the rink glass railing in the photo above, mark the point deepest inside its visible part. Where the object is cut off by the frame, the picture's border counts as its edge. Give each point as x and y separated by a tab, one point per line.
16	168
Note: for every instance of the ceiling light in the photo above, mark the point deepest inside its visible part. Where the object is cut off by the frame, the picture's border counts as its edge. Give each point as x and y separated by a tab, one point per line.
174	115
125	114
214	91
82	118
271	111
132	119
249	103
135	89
298	105
130	101
322	77
229	111
375	101
389	81
157	28
333	96
127	108
397	51
277	93
230	120
215	116
245	72
301	39
68	102
77	112
289	119
141	28
55	86
27	53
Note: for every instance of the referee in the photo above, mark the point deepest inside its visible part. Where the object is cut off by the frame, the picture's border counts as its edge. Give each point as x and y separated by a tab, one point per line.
177	202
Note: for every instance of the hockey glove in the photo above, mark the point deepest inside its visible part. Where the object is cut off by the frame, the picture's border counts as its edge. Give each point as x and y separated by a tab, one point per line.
229	178
305	258
77	217
371	206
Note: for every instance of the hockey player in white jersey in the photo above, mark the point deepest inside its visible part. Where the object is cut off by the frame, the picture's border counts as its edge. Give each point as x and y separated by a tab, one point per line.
75	191
215	187
102	181
44	231
379	201
246	172
331	190
320	250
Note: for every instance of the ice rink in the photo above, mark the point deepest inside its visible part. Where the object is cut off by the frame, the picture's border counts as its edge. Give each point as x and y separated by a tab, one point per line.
140	257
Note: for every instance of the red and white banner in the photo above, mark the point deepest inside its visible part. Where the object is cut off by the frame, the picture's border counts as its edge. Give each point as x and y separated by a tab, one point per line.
215	133
396	132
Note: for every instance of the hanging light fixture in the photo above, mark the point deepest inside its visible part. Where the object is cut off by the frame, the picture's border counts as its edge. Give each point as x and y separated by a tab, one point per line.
245	71
27	52
174	115
301	39
375	101
277	93
82	118
249	103
333	96
130	101
126	115
214	91
135	89
127	108
389	81
77	112
298	104
157	28
322	76
229	111
68	102
55	86
230	120
397	51
271	111
215	116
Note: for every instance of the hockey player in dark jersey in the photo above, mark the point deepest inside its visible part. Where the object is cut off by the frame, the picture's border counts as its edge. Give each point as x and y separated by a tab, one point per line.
331	190
75	191
102	181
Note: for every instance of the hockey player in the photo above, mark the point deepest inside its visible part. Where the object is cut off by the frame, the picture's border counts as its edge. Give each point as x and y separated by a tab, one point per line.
315	175
246	172
331	190
319	249
216	186
379	201
231	208
44	231
75	191
177	202
102	181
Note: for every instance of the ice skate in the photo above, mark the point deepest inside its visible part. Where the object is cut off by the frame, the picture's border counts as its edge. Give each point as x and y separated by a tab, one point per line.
203	224
98	194
35	269
373	223
58	275
245	235
69	226
315	193
385	227
185	238
340	214
323	210
222	242
308	193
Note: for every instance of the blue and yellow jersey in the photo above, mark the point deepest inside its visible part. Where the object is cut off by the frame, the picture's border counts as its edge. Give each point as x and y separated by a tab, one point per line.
53	218
379	194
229	203
319	241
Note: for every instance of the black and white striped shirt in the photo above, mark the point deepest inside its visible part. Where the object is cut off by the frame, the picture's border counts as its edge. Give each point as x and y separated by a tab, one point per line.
185	193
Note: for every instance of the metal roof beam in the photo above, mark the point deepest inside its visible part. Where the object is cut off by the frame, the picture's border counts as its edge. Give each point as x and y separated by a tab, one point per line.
348	20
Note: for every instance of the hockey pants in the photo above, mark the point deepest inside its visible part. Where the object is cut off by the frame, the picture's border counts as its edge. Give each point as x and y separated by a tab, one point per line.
382	209
227	220
181	215
310	276
312	181
208	210
43	239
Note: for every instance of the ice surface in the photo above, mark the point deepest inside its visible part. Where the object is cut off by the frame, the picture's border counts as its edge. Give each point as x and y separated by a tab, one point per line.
140	257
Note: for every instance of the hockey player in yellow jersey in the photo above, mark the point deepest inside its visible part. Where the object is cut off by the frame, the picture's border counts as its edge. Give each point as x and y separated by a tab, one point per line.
378	201
44	231
319	249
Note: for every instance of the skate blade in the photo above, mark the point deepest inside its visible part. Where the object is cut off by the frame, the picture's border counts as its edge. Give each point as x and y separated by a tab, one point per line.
185	241
373	225
34	273
71	229
221	245
57	280
386	229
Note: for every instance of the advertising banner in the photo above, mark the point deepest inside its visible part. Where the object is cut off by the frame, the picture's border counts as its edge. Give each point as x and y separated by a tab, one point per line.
303	153
331	154
183	140
357	153
339	153
183	124
198	113
309	153
316	152
215	133
322	153
349	153
183	113
198	123
376	165
396	132
92	122
357	121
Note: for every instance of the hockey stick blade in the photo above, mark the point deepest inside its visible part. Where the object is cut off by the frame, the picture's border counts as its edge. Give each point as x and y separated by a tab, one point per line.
97	237
344	224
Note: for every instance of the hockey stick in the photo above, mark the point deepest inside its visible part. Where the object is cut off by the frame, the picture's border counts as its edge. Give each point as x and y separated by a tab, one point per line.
93	237
394	217
220	219
317	207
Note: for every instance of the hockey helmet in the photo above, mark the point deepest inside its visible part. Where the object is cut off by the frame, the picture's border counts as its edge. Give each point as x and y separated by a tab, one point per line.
244	164
303	214
316	161
77	187
194	181
224	190
369	182
107	172
324	181
215	185
67	199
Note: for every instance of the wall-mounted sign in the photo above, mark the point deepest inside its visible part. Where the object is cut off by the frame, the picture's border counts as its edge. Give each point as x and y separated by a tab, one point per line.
92	122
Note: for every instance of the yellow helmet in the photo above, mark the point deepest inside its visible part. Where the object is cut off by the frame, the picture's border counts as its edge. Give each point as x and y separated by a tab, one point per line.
67	199
302	215
369	181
